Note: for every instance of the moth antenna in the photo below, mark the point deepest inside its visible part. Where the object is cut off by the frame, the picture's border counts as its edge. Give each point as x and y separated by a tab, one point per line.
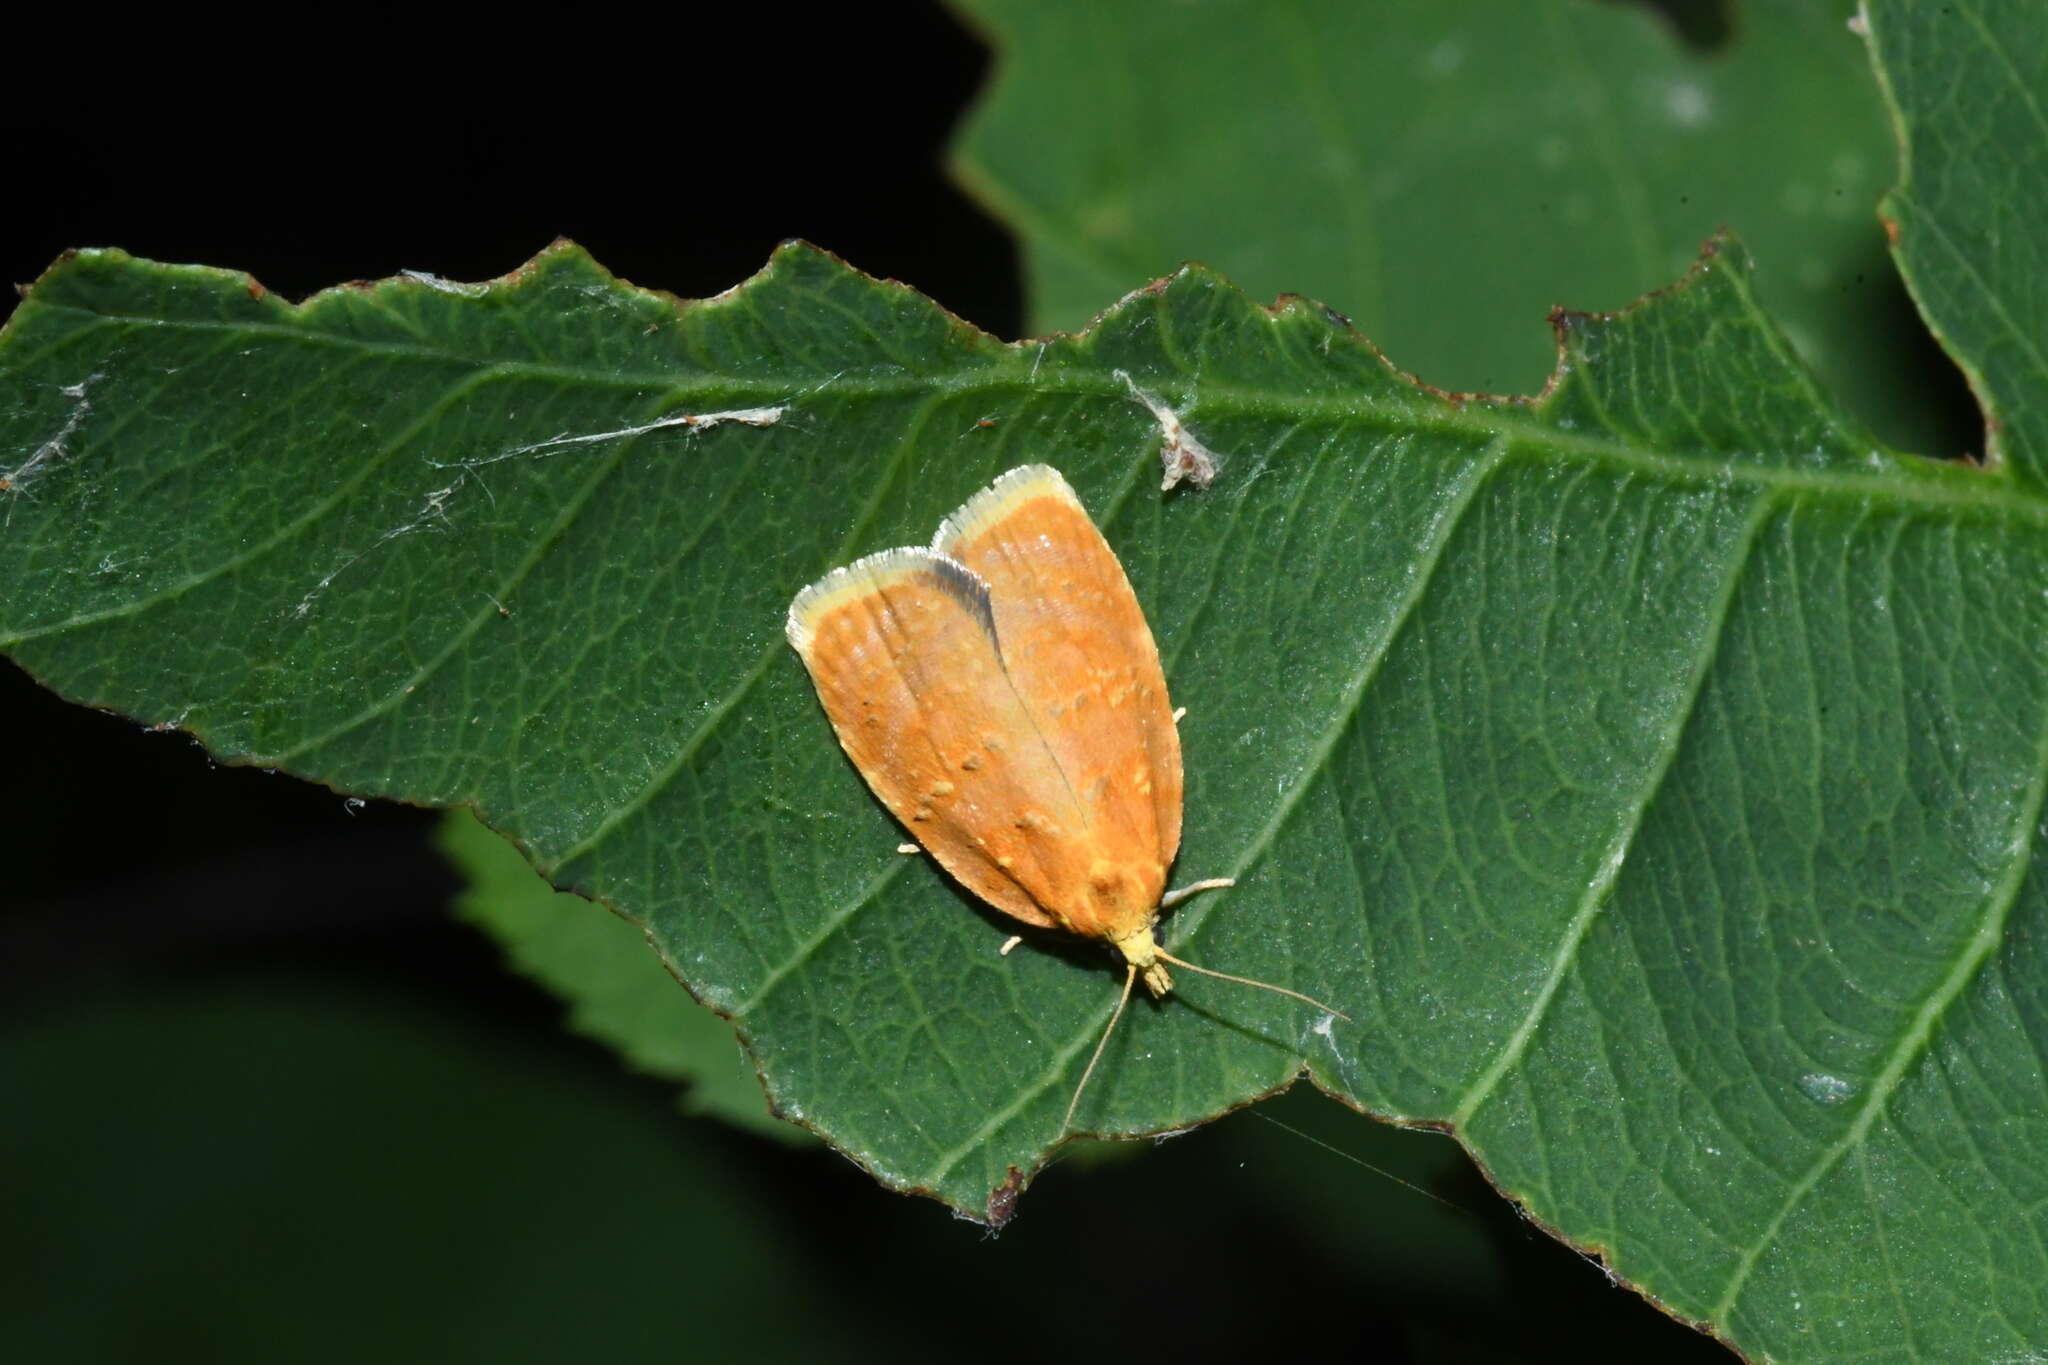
1130	979
1247	981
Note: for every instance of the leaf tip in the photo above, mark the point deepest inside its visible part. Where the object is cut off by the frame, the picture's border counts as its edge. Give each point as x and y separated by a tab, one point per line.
802	249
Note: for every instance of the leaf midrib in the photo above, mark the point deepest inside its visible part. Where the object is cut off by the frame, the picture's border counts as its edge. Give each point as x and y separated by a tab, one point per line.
1910	482
1483	415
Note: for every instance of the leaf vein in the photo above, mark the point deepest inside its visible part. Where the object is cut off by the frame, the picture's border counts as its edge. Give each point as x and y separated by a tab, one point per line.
1618	848
1449	517
571	508
1918	1035
727	704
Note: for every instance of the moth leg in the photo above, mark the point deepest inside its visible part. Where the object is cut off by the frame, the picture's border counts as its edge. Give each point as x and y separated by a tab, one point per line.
1173	898
1010	943
910	848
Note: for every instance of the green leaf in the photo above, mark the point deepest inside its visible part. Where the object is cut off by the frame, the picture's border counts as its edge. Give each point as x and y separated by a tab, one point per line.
1446	174
1650	771
599	963
1965	83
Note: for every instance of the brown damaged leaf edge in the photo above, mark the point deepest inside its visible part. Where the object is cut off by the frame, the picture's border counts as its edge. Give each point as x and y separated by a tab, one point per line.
1563	321
1992	457
520	275
1002	1200
1593	1252
64	258
1566	321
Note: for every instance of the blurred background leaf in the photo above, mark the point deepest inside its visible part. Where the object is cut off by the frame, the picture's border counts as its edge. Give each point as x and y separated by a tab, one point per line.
1445	175
618	991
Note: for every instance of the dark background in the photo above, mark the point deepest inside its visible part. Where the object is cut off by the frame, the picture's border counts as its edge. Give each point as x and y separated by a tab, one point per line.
265	1099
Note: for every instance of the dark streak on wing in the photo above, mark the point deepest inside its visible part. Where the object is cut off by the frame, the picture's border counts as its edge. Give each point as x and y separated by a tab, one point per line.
967	588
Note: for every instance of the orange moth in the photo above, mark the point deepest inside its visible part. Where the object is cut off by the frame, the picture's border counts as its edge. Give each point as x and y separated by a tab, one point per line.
1001	694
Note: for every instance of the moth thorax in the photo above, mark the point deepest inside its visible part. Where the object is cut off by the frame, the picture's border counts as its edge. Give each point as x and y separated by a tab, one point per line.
1120	899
